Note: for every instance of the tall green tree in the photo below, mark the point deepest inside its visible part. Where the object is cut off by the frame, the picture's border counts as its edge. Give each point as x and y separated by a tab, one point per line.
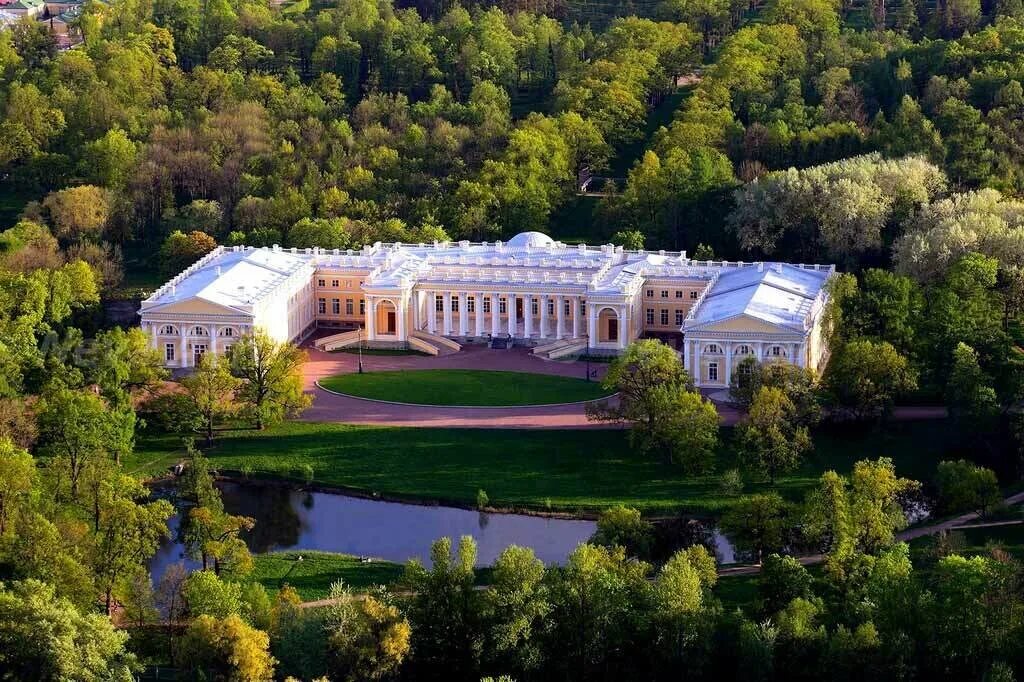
271	378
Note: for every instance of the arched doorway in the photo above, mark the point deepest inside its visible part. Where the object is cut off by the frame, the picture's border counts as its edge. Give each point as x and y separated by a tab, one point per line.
387	319
608	326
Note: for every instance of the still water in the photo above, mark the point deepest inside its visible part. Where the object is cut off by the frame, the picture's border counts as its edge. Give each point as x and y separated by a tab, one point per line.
287	518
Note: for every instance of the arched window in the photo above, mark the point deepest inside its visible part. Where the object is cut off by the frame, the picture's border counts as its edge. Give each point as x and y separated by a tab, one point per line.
712	348
168	329
777	352
227	331
743	349
199	331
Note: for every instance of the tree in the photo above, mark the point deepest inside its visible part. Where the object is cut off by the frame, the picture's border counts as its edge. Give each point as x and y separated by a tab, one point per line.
969	393
211	393
228	647
622	526
367	638
965	486
683	585
122	362
655	395
180	250
445	611
76	427
17	478
866	377
271	376
45	637
782	580
797	383
859	514
515	611
770	437
597	614
758	524
78	213
205	594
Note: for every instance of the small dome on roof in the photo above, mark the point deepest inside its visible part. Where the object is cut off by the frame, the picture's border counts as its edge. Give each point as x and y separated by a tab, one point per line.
534	239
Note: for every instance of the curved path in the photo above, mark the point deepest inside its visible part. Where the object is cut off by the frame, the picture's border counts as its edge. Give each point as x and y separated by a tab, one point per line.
331	407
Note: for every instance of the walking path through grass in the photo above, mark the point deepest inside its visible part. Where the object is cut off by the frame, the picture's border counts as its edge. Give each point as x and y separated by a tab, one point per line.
464	387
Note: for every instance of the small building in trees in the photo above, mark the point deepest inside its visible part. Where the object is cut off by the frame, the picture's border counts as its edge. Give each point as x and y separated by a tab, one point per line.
532	291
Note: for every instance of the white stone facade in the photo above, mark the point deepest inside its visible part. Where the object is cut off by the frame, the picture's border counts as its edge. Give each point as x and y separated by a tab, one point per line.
531	289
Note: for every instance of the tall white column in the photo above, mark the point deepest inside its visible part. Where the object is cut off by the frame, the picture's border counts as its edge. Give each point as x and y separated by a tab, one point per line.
183	360
760	351
495	315
401	310
416	300
511	305
575	316
446	305
478	307
559	317
527	315
371	318
544	316
213	339
728	362
153	329
463	314
623	326
592	323
686	356
432	312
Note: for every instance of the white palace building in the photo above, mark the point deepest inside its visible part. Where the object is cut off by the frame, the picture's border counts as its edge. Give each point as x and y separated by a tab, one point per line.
531	290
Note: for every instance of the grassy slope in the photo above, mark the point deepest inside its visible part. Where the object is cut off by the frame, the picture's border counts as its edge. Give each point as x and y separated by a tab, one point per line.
312	577
464	387
572	470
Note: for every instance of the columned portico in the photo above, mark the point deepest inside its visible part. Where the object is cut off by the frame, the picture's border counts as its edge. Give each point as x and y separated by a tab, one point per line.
495	315
446	302
544	317
432	312
559	317
528	317
463	314
511	306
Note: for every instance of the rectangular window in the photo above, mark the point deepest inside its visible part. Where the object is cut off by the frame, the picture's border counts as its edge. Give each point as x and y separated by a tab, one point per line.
321	282
679	318
362	306
455	302
567	307
583	307
439	303
334	283
502	306
679	294
713	371
321	306
336	306
694	294
650	293
169	352
534	307
471	304
348	306
650	316
664	316
664	293
487	304
551	308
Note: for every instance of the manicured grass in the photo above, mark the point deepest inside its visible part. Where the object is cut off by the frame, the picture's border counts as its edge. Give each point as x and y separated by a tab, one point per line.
312	577
559	469
464	387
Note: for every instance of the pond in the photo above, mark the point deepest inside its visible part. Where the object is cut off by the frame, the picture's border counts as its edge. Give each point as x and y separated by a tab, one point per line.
288	518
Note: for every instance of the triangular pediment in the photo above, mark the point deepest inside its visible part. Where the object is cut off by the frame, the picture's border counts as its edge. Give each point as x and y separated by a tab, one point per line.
744	324
195	306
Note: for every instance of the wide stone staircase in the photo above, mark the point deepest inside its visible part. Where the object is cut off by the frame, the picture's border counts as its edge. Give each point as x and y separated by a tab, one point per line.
338	341
560	349
432	344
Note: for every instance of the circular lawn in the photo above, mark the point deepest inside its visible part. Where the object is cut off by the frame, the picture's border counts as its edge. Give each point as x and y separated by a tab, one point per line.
465	387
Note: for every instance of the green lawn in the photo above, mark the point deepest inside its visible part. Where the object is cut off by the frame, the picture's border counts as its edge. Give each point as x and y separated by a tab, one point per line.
978	541
312	577
464	387
575	470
